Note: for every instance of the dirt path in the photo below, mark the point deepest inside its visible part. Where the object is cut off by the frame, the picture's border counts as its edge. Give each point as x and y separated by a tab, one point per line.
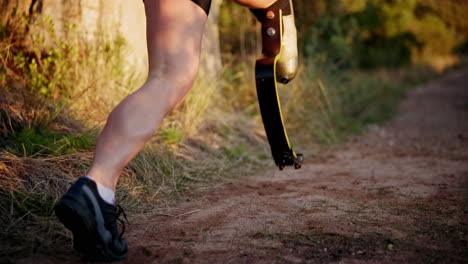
397	193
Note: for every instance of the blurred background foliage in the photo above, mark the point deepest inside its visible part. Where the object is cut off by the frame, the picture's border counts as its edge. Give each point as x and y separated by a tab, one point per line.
366	34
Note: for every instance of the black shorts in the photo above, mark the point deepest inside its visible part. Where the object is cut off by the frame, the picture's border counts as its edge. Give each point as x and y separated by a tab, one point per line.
204	4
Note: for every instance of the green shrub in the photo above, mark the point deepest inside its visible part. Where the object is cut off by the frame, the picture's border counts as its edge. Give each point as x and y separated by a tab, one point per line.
382	33
385	52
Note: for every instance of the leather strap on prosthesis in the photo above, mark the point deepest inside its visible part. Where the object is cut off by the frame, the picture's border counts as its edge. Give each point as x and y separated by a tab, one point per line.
267	88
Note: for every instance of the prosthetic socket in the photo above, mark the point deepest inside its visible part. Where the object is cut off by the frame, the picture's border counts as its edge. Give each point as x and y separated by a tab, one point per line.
286	67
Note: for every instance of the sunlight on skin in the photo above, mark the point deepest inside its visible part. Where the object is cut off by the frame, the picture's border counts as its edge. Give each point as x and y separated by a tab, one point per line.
174	34
255	3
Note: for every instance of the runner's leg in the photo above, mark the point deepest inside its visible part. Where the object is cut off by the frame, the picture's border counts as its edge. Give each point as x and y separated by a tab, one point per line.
174	34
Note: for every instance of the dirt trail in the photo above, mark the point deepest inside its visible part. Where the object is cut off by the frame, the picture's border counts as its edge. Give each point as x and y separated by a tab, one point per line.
397	193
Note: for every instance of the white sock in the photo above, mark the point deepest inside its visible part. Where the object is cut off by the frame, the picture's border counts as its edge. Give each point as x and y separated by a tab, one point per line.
106	193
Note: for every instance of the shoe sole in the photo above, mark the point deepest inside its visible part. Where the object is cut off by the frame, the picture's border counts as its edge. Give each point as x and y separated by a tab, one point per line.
86	239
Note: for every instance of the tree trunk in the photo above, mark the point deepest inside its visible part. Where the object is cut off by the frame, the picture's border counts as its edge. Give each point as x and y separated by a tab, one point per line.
210	64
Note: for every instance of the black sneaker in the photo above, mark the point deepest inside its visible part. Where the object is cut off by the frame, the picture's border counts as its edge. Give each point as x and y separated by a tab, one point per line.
93	222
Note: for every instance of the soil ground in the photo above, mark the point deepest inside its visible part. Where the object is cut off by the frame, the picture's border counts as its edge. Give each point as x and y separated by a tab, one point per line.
398	193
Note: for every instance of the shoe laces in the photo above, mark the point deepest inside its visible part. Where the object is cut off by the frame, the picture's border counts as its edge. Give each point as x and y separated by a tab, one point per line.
118	218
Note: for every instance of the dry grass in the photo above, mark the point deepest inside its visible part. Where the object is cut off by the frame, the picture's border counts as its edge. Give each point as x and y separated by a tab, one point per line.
29	188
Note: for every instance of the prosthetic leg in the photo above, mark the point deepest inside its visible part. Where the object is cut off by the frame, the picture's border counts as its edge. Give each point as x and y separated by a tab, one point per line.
277	63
